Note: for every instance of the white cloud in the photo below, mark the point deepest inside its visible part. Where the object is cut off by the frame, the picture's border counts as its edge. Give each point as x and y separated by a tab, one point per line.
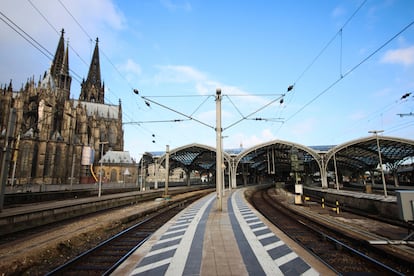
357	115
98	18
304	127
403	56
184	74
173	5
337	12
178	74
130	67
238	139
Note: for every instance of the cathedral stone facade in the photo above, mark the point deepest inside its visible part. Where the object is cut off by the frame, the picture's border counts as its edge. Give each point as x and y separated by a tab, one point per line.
56	139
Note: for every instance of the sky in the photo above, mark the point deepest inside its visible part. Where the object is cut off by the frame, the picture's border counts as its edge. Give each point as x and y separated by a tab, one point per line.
350	63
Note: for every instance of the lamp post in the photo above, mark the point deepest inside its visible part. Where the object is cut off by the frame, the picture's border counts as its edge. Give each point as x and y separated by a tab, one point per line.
167	171
141	182
336	173
100	172
155	174
218	150
375	132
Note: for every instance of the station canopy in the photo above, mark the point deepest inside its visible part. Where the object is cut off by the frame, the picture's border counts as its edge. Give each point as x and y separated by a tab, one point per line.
362	154
276	156
192	157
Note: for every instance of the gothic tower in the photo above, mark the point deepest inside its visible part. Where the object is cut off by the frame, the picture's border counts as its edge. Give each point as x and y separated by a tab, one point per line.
92	90
53	130
60	69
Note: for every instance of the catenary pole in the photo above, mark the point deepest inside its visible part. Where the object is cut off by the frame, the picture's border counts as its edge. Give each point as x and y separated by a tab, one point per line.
218	150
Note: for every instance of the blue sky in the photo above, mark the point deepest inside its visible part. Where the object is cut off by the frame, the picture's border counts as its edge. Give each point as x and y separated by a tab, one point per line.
177	53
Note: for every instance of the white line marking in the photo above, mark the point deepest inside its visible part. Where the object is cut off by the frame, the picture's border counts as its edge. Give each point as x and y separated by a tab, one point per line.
144	268
179	259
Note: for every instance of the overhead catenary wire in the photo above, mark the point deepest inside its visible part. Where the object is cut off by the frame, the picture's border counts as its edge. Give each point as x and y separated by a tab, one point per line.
254	112
320	53
178	112
338	33
155	121
56	30
399	127
37	45
26	36
103	53
373	115
32	41
351	70
90	38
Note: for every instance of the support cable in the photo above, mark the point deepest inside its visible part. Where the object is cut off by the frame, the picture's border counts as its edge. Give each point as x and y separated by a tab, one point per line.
330	41
201	104
340	57
235	106
57	32
26	36
178	112
325	47
352	69
254	112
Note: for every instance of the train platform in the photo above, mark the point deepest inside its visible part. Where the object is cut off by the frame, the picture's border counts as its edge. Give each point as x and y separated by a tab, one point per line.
201	240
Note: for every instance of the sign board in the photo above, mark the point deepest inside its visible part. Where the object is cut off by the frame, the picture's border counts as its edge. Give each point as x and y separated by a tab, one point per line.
405	203
88	156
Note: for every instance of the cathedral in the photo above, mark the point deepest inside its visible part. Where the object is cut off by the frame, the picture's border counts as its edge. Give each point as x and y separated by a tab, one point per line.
56	139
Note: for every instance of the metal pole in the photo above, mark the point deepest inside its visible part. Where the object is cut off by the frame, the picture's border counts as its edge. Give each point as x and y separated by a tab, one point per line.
16	152
100	172
155	175
167	170
223	170
380	160
382	170
336	173
137	175
141	183
218	149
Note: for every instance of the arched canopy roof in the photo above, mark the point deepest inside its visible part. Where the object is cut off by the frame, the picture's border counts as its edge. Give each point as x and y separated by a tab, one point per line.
362	154
193	157
275	156
264	157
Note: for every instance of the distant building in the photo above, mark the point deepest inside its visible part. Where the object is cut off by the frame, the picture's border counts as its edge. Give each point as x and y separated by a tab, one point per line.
118	167
57	139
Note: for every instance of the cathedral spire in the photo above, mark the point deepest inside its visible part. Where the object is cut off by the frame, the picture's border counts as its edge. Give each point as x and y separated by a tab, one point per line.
59	56
92	89
94	75
65	63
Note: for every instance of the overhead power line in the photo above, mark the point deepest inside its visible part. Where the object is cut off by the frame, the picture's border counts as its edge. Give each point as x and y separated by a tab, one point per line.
26	36
103	53
339	32
32	41
351	70
57	32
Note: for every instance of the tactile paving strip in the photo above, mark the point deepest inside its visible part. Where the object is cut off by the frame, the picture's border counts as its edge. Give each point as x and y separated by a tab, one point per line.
167	256
270	256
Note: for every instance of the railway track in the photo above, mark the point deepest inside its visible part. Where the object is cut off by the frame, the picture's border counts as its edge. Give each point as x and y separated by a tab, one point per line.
108	255
343	254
